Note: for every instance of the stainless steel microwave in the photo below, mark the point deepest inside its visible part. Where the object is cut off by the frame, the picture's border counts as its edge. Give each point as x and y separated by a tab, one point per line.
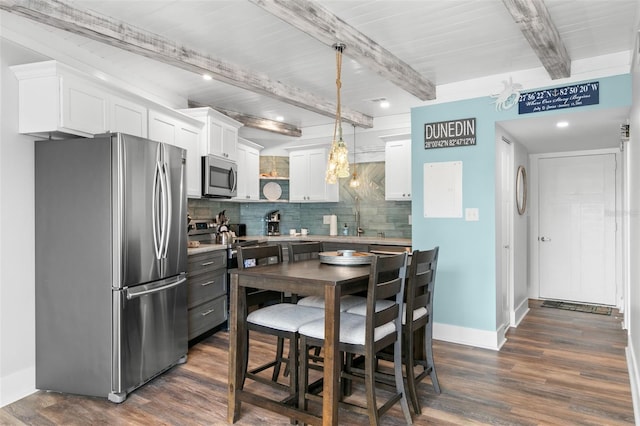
219	177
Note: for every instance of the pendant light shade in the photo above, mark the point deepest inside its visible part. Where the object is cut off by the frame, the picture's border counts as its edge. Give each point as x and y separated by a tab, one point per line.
338	164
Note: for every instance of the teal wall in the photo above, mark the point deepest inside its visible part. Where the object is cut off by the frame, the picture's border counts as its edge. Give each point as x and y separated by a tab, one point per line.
465	293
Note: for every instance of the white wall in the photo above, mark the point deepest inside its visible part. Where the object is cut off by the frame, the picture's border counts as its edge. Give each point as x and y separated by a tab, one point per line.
633	152
17	264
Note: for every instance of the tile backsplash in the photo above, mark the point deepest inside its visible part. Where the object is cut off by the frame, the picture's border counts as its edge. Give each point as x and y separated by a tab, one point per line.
376	214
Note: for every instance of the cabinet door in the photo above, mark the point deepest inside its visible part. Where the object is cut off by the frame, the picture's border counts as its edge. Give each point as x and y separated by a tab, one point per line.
298	176
229	142
162	128
397	169
214	142
128	117
189	138
316	173
307	171
83	106
248	173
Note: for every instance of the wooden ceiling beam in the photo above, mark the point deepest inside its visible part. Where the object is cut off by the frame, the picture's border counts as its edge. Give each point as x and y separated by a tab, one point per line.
254	122
127	37
532	16
315	20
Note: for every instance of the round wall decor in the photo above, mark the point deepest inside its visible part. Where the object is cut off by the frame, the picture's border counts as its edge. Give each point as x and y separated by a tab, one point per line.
521	190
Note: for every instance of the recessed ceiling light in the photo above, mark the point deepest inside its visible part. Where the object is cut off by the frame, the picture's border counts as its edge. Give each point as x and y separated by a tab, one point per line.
206	77
562	124
384	103
279	118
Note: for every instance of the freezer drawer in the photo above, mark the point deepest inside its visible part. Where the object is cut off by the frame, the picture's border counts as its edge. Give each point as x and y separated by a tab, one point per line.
150	332
206	316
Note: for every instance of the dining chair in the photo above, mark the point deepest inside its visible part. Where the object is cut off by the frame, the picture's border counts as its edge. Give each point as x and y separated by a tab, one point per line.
311	250
417	333
367	336
274	317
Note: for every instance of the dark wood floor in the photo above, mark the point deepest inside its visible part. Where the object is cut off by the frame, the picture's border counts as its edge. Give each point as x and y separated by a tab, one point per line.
558	367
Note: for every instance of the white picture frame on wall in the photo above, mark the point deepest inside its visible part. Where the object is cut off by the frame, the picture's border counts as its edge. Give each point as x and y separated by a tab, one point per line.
443	189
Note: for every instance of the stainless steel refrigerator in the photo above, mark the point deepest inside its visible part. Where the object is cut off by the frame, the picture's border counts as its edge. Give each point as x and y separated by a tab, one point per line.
111	259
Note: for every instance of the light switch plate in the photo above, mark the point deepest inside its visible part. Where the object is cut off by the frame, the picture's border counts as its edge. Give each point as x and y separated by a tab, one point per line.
410	220
471	215
326	219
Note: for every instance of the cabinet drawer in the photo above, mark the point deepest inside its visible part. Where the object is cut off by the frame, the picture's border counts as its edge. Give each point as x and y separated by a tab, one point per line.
209	261
206	316
206	286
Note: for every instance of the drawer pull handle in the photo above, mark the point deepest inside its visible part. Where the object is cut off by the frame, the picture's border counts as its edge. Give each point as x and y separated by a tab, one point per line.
210	311
206	264
207	283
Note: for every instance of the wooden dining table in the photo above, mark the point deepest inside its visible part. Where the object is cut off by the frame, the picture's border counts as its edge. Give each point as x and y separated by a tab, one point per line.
305	278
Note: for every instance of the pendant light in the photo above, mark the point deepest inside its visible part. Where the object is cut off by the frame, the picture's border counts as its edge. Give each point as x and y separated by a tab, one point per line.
338	164
354	183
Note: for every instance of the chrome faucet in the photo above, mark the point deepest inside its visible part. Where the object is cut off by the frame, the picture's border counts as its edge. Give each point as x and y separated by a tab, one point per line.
359	230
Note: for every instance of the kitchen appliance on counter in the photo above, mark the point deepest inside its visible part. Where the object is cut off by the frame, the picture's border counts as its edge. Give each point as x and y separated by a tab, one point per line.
272	220
111	261
219	177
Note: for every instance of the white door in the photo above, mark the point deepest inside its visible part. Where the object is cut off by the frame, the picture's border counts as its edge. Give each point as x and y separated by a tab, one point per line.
576	238
507	210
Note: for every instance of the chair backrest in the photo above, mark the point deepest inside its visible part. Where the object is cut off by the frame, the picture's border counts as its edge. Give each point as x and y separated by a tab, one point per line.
304	251
421	279
249	257
386	281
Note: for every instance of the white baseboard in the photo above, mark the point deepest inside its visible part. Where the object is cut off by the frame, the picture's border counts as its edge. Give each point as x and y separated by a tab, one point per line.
17	385
468	336
634	379
520	312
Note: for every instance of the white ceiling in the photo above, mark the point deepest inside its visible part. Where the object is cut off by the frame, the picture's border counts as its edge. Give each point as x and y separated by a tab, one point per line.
446	41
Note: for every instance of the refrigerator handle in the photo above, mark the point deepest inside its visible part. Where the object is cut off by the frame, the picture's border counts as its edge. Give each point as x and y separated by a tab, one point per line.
154	211
168	208
132	294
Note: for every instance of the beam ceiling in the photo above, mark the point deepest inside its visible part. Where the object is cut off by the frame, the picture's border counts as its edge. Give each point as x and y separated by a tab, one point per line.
315	20
535	23
122	35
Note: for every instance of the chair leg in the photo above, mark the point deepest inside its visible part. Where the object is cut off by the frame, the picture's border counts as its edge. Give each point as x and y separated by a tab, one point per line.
409	362
370	387
279	352
303	374
429	355
397	361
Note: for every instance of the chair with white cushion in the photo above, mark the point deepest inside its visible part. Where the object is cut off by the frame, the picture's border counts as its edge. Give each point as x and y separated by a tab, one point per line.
276	318
417	334
366	335
311	250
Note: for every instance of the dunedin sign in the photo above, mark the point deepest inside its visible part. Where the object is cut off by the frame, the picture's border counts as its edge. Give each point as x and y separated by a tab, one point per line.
447	134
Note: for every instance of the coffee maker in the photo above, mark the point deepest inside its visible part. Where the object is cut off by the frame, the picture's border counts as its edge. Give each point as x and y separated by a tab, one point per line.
272	219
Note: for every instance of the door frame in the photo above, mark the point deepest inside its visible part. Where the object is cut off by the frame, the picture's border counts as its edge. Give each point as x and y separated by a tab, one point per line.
534	261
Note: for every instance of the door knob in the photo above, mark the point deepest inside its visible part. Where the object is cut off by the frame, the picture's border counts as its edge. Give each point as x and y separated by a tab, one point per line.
544	239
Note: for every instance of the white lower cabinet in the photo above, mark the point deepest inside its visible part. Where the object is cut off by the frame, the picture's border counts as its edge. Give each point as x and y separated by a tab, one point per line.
397	170
248	170
307	170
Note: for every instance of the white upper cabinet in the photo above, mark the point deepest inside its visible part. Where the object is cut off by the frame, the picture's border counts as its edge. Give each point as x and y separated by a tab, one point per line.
397	168
56	100
220	133
179	130
307	170
248	171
